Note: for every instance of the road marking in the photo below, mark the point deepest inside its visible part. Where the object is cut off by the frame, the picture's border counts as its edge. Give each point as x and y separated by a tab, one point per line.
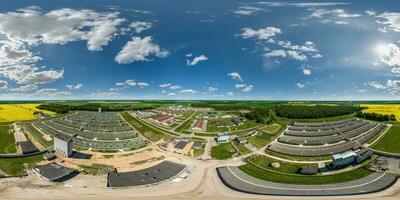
308	189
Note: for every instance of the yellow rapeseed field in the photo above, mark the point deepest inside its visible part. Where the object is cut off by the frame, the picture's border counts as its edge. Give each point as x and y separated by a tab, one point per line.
18	112
385	109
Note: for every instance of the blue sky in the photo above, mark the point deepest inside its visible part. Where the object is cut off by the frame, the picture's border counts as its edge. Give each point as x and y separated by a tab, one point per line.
262	50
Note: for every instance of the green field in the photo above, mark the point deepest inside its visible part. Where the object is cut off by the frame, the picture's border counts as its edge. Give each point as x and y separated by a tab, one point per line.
265	162
390	141
16	166
297	158
303	179
147	131
242	149
223	151
7	141
36	134
185	125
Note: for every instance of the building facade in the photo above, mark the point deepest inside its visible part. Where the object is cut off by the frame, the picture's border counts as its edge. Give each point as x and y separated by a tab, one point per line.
63	145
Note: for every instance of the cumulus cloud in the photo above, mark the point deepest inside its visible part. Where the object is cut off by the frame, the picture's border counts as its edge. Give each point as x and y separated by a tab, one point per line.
3	85
143	84
175	87
196	60
212	89
230	94
61	26
31	26
74	87
300	85
297	55
390	19
391	86
139	26
235	76
138	49
261	34
276	53
25	88
165	85
308	46
244	87
172	94
338	13
390	55
307	72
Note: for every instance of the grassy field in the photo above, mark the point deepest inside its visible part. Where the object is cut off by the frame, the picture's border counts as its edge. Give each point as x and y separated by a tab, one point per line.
18	112
389	142
304	180
242	149
222	151
147	131
297	158
36	134
270	129
7	141
186	124
15	167
385	109
285	167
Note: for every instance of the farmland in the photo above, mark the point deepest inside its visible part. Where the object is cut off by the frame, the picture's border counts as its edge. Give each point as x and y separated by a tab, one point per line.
384	109
18	112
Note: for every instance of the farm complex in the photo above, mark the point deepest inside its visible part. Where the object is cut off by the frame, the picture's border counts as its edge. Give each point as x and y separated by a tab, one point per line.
260	150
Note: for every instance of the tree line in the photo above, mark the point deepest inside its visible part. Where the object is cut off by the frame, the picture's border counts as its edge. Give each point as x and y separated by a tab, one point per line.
312	112
65	108
376	116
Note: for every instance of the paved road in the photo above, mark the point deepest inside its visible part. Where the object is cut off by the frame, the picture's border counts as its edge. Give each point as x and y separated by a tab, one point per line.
237	180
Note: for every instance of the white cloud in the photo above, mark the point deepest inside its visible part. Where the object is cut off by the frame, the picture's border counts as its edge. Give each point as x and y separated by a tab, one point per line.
188	91
34	27
3	85
362	90
212	89
196	60
307	47
175	87
296	55
370	12
308	4
389	54
235	76
30	27
127	83
230	94
165	85
244	87
336	13
395	70
138	49
172	94
247	10
247	88
143	84
25	88
74	87
376	85
390	19
261	34
51	92
139	26
105	94
276	53
300	85
307	72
